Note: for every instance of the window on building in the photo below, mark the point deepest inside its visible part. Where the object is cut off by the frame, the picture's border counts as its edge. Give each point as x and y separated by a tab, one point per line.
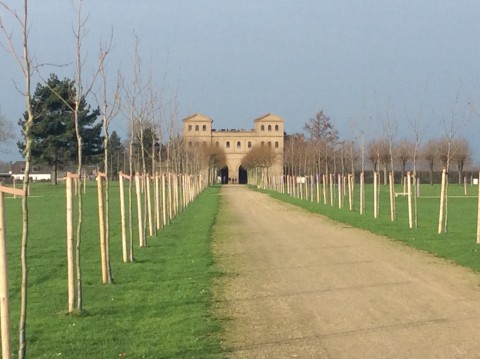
227	144
197	127
262	127
189	144
189	127
276	127
239	144
204	144
269	127
269	144
262	144
249	144
217	144
204	127
276	144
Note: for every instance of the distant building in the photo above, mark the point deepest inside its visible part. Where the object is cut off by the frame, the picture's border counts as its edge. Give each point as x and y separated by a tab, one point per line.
37	173
268	131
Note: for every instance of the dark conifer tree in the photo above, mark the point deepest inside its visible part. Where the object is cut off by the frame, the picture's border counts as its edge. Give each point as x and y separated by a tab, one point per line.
53	131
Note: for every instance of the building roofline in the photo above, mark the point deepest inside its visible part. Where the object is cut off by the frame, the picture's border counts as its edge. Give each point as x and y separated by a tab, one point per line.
196	114
275	118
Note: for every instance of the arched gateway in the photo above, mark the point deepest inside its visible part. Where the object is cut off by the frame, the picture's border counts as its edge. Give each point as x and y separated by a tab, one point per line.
267	131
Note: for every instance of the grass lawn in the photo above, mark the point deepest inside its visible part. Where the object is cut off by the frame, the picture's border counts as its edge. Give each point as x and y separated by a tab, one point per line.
160	306
458	245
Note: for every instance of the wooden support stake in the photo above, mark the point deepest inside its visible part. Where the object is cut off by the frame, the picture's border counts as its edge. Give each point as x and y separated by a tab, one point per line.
4	299
101	225
324	188
375	194
14	186
141	232
149	206
362	192
122	217
442	203
170	197
331	189
164	201
157	202
350	192
70	180
409	193
478	212
392	196
340	192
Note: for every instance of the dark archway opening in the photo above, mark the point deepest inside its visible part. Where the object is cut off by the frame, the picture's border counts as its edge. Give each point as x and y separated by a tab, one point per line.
242	175
223	173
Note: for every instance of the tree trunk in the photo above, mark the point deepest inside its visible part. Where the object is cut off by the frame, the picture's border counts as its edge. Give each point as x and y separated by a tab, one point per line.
80	211
55	174
431	173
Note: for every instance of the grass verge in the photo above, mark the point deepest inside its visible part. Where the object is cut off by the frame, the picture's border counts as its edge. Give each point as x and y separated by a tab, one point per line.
159	307
458	245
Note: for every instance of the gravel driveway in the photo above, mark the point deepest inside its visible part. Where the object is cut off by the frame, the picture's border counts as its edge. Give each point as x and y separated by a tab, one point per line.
298	285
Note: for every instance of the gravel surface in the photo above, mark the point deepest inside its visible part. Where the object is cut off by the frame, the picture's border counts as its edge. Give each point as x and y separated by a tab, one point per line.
298	285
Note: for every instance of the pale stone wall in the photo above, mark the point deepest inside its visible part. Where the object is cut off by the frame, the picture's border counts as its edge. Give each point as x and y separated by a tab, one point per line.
268	131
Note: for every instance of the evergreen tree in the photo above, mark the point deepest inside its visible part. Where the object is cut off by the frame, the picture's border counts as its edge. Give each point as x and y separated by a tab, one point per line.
116	152
53	132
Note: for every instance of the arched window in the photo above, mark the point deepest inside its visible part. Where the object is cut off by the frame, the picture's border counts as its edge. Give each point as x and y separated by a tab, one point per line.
217	144
204	127
262	144
276	144
204	144
227	144
269	127
189	144
262	127
196	128
249	144
239	144
269	144
276	127
189	127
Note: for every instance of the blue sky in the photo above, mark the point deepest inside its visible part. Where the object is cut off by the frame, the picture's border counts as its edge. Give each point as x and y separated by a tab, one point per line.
237	60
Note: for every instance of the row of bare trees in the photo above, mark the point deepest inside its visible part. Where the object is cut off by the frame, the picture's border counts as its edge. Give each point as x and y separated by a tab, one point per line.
324	152
155	152
321	163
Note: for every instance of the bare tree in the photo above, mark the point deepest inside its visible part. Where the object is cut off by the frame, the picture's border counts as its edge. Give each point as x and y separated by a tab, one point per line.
451	128
418	130
430	154
461	154
109	109
6	130
295	147
133	108
378	151
259	157
405	152
27	66
82	90
215	159
324	135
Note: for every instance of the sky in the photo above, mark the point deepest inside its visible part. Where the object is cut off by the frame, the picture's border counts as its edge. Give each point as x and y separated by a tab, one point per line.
362	62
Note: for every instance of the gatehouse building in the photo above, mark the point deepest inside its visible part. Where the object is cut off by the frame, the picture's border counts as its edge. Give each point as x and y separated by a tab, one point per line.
268	131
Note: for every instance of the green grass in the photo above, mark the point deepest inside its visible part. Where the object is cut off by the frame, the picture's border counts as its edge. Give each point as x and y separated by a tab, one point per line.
160	306
457	245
